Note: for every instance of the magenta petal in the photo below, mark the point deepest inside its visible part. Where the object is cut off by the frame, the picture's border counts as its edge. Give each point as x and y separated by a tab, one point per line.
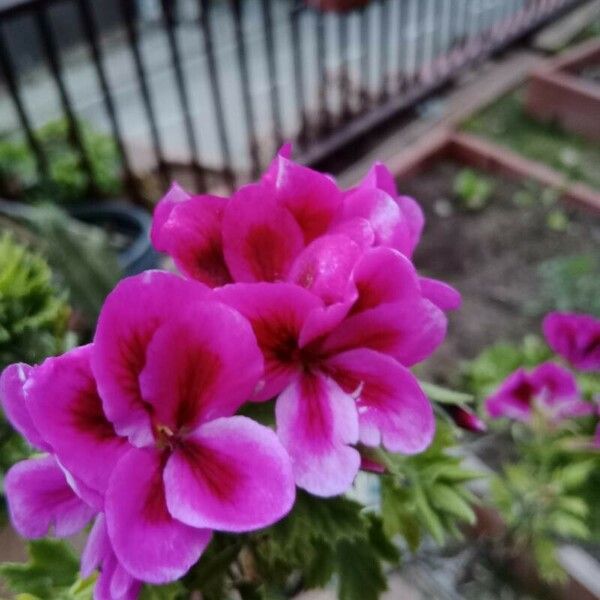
261	239
358	229
192	237
380	177
316	422
324	319
444	296
392	408
408	331
114	583
39	497
415	219
382	276
129	318
514	398
383	213
12	396
200	365
162	212
67	410
277	313
231	474
96	548
575	337
324	267
313	198
148	542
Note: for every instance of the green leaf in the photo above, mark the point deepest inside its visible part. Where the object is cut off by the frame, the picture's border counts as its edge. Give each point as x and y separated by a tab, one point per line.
359	570
575	475
381	543
429	517
568	526
445	498
443	395
52	565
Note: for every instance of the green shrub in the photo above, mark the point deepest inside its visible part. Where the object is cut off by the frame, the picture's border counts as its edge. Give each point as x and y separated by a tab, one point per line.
66	180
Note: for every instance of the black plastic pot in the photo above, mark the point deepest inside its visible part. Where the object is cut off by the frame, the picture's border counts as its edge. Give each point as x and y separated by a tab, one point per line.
129	230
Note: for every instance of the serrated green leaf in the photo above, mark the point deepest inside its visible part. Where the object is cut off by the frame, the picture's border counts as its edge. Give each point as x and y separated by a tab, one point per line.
568	526
445	498
360	573
428	516
574	475
381	543
574	505
321	566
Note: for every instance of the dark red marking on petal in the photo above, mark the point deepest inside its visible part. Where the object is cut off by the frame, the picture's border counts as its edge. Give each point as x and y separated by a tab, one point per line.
266	250
277	337
155	508
312	221
196	378
316	413
214	469
524	392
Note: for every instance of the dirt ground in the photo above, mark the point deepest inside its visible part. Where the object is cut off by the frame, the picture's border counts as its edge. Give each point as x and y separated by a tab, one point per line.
492	257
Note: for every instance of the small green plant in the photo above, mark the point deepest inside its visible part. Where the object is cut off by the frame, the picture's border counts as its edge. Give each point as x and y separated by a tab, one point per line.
472	189
33	313
66	179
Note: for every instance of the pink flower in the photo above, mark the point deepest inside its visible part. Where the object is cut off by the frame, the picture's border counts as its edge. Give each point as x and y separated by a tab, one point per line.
38	491
339	371
549	389
575	337
172	367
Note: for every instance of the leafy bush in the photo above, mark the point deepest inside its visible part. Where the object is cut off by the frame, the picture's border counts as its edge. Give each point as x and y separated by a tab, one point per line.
33	313
66	180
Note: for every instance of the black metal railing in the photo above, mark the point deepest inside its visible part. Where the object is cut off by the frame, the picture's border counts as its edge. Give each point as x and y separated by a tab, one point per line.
212	88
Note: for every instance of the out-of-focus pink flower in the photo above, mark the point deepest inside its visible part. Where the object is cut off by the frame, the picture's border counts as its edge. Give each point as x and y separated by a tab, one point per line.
172	366
548	389
339	371
465	418
575	337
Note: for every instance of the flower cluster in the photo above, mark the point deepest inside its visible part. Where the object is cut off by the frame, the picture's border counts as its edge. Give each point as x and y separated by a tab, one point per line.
293	291
551	390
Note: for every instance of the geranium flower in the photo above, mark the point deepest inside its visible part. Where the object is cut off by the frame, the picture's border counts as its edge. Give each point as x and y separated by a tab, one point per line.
337	370
548	389
575	337
172	367
38	493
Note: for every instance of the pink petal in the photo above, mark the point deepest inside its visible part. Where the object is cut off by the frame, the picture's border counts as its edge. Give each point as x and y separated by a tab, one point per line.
67	410
148	542
270	175
114	583
575	337
514	398
392	408
277	313
324	319
97	547
192	237
201	365
324	267
131	314
444	296
313	198
389	224
260	236
380	177
39	497
12	394
358	229
231	474
382	276
413	213
408	331
316	422
162	212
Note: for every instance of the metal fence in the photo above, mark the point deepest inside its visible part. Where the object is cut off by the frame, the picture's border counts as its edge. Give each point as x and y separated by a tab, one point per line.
214	87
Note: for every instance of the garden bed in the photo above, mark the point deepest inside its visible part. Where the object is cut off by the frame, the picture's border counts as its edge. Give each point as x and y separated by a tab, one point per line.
493	255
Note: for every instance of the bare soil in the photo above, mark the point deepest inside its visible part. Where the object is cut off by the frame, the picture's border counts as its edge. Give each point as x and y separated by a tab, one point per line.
492	257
